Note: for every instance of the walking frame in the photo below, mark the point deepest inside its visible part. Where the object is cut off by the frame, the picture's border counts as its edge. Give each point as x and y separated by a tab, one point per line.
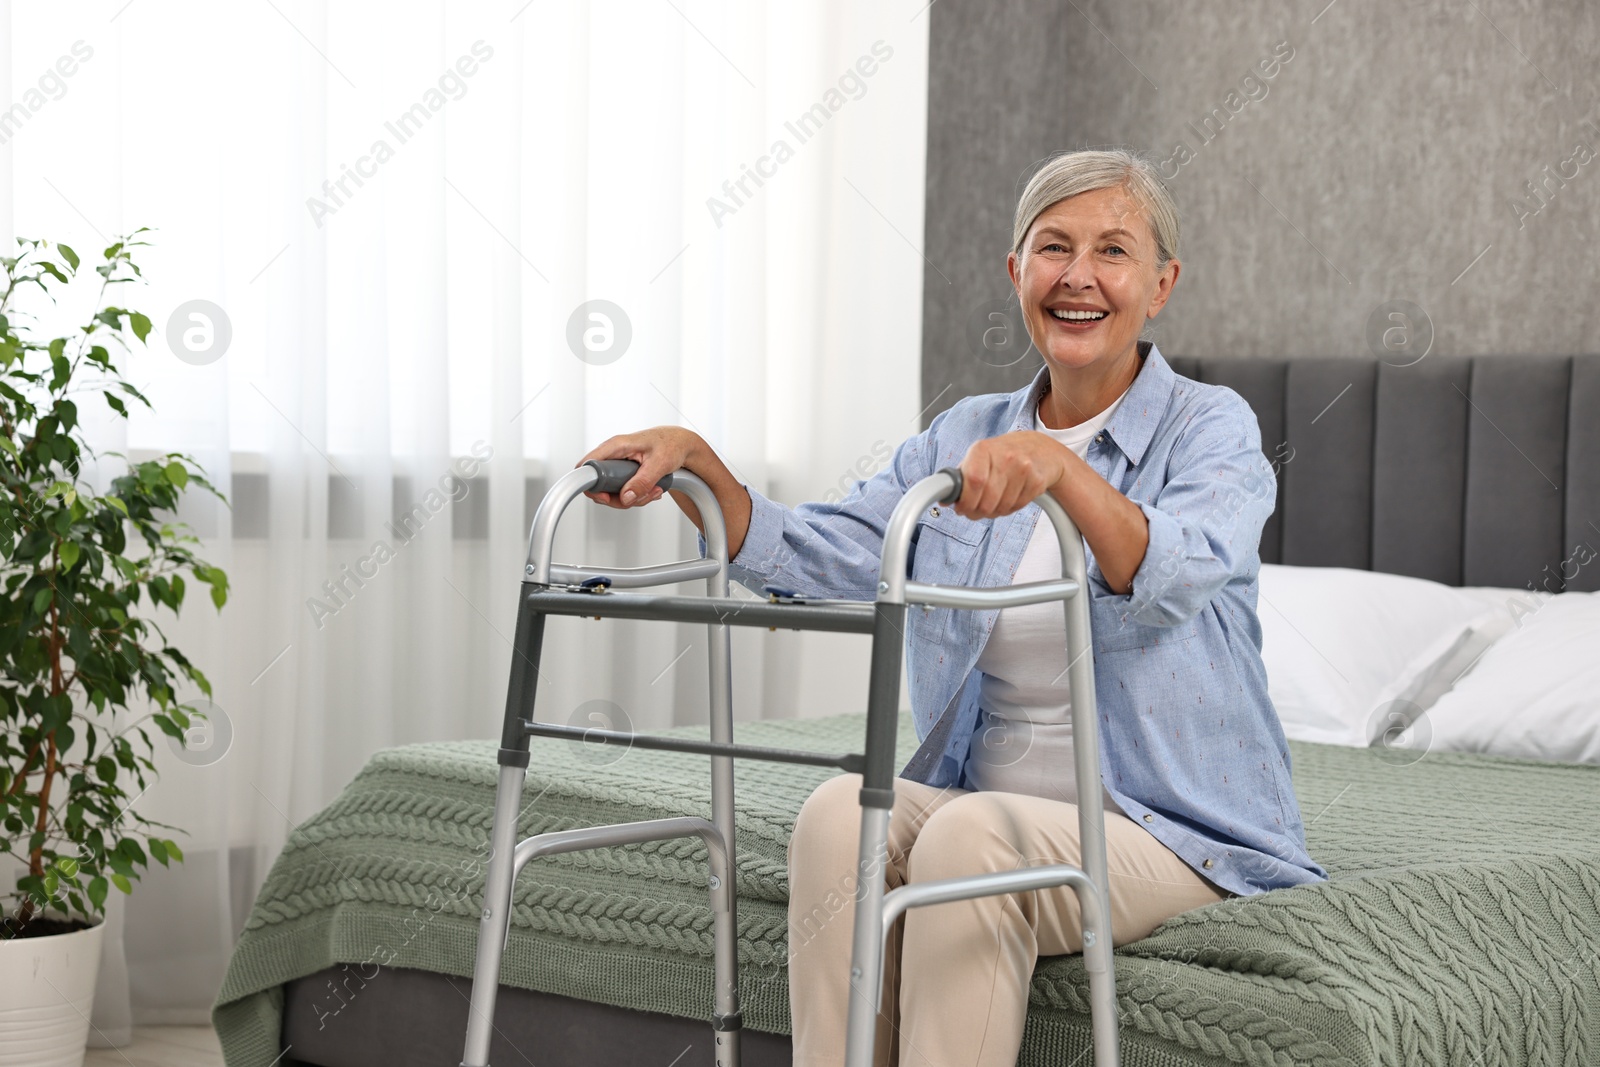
555	589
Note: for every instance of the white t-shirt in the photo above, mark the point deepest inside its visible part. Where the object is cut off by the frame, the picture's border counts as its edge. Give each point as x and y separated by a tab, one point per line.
1023	742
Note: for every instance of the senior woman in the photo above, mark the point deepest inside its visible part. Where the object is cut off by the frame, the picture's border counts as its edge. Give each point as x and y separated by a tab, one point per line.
1167	482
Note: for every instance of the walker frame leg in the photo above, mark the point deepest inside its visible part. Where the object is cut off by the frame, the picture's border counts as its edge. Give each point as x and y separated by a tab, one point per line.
727	1021
877	802
495	924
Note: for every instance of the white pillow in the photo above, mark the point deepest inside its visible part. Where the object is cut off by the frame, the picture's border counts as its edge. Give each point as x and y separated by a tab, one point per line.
1536	693
1515	604
1351	655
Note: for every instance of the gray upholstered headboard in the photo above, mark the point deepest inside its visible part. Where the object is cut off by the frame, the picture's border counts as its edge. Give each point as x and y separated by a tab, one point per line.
1467	471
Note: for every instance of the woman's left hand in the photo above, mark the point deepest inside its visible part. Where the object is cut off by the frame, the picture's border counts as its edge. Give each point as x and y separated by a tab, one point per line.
1007	473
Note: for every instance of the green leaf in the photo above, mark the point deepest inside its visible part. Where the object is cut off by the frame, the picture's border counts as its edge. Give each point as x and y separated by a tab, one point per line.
97	892
122	883
131	391
141	325
69	551
177	474
41	600
174	851
68	254
67	866
116	502
158	850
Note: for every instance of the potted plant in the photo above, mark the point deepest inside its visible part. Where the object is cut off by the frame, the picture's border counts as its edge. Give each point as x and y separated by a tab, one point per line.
81	656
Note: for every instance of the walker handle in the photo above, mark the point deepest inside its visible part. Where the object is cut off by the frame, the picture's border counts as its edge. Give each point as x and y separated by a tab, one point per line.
955	476
614	474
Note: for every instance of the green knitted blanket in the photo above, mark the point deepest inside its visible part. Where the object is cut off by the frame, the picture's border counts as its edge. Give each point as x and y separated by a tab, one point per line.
1460	925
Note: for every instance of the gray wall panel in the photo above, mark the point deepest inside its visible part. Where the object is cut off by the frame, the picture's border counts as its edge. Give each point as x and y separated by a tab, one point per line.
1327	487
1581	559
1419	470
1516	470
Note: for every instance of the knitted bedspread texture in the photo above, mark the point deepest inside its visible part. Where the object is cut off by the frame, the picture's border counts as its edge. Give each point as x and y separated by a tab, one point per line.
1460	924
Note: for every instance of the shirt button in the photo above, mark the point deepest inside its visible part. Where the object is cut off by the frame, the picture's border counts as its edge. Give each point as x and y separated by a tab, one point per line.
934	513
1149	818
1100	437
1206	865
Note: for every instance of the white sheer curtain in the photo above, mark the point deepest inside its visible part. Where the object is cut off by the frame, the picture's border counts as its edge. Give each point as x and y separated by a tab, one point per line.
398	209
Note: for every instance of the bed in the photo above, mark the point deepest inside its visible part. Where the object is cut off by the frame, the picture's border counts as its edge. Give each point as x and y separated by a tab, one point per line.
1460	923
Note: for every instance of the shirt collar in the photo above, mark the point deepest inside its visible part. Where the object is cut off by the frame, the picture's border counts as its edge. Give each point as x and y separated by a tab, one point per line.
1134	422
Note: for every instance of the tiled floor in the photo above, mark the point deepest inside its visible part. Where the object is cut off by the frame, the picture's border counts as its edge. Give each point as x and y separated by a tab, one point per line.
162	1046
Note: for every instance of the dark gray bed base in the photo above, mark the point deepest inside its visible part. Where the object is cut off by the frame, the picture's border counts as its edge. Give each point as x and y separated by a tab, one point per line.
1480	471
418	1017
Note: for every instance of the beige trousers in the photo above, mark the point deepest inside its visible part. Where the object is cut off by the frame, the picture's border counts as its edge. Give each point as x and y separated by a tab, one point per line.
967	964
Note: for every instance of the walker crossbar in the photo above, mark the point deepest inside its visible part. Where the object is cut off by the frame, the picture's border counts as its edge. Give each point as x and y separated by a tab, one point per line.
834	616
849	619
625	833
849	761
876	908
636	577
1046	876
1005	596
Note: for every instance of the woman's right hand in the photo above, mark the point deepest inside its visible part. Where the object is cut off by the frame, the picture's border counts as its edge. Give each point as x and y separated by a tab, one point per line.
659	451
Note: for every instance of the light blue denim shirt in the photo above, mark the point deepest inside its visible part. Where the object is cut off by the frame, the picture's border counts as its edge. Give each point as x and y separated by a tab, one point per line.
1191	746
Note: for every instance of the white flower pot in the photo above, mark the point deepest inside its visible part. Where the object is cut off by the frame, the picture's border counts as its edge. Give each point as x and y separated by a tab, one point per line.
46	995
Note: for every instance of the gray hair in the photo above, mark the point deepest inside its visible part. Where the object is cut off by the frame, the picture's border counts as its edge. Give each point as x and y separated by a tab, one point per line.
1071	173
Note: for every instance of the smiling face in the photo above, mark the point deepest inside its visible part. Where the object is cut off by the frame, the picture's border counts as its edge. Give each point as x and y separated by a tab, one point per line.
1087	280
